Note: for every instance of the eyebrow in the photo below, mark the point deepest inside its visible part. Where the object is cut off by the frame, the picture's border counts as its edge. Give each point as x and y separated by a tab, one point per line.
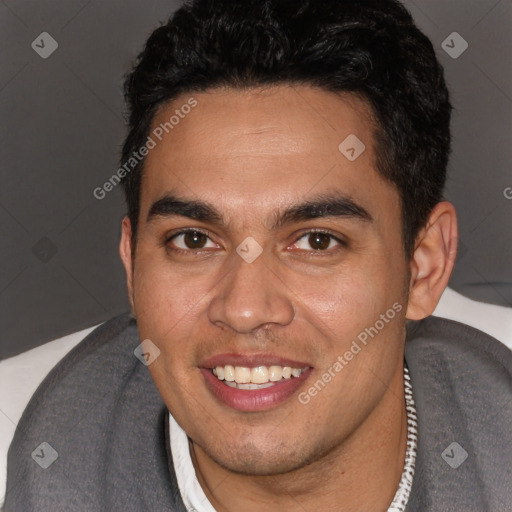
337	205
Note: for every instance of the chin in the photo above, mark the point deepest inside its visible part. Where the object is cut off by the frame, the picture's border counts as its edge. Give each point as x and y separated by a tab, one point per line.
260	468
250	460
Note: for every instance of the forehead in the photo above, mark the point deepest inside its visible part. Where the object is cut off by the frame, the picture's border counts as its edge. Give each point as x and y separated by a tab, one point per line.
260	146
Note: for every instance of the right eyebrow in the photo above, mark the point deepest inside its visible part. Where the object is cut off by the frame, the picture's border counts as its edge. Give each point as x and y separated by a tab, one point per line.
169	206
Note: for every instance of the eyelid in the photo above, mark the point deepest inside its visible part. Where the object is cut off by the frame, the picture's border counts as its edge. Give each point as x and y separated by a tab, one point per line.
181	231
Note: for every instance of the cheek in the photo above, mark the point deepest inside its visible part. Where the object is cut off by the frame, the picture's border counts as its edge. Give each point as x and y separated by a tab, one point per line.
356	304
162	295
350	298
165	307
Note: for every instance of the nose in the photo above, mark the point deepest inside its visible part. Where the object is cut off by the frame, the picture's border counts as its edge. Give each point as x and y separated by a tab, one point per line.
249	297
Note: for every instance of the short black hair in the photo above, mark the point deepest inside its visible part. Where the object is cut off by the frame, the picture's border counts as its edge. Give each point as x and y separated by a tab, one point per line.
370	48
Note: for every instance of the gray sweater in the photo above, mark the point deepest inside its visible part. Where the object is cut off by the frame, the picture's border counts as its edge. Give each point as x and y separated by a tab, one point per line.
101	412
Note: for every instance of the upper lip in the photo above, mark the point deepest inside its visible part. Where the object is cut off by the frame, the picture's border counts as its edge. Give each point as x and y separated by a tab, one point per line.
251	361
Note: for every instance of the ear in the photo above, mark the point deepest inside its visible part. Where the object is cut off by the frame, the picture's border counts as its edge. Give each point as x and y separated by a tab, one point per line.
432	262
125	251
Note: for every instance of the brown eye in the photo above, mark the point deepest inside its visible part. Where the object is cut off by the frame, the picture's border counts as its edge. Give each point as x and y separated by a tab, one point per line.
317	241
194	240
191	240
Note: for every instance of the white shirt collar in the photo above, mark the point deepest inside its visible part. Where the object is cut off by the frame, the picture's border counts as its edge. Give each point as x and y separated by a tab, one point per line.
195	499
192	493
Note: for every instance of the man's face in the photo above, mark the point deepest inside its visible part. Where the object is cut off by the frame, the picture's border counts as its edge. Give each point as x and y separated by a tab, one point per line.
266	165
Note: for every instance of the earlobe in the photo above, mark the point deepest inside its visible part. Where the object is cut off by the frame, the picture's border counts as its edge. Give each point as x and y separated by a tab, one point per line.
125	252
432	262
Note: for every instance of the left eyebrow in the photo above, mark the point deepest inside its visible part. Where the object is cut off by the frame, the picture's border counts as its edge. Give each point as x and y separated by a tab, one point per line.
322	206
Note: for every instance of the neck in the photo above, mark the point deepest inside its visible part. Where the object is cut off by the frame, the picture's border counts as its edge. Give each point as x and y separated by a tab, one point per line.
360	475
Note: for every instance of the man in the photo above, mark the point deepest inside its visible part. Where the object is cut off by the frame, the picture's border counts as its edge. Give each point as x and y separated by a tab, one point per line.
286	231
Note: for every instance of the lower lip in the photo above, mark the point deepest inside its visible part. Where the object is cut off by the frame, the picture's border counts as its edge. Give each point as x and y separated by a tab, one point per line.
256	399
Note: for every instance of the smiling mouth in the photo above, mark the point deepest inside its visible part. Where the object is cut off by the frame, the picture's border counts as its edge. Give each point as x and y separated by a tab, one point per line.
257	377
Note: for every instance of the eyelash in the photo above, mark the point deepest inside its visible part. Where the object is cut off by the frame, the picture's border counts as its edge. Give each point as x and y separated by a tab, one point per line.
169	238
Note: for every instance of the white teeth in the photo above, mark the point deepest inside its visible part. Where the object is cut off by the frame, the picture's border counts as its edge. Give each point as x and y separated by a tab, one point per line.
275	373
287	372
258	377
249	386
229	373
295	372
242	374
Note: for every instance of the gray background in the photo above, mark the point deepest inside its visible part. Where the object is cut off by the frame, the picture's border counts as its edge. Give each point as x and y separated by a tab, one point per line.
62	127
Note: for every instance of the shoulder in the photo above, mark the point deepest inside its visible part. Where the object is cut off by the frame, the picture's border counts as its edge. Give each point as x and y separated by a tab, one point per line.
462	385
463	338
451	362
101	419
27	375
103	352
437	343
